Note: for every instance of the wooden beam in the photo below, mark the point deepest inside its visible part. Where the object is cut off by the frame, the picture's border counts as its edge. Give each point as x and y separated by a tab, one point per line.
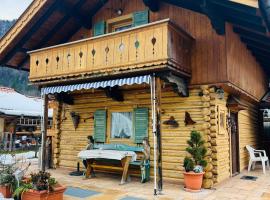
74	11
153	5
30	32
258	51
236	6
251	34
187	4
261	45
264	6
246	23
254	19
217	20
93	12
44	132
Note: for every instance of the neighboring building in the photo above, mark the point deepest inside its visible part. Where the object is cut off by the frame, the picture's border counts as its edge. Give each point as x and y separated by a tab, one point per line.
20	116
209	61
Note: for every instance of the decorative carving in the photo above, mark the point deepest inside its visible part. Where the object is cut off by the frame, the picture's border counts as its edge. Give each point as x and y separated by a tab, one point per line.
107	51
81	54
121	47
188	120
172	122
154	40
64	98
115	93
178	83
75	119
93	55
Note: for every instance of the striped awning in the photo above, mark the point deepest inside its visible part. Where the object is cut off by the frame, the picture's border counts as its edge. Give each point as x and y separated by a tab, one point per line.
95	85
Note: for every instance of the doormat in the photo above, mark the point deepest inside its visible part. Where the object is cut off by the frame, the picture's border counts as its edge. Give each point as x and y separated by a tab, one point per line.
250	178
131	198
80	193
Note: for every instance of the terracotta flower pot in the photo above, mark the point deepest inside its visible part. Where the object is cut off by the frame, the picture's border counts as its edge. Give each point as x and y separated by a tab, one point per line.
6	191
57	194
193	181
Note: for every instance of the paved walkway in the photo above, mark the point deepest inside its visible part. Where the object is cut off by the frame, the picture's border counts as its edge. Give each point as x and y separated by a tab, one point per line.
106	186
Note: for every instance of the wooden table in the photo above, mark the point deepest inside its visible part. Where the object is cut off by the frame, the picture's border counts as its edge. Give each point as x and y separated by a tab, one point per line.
124	156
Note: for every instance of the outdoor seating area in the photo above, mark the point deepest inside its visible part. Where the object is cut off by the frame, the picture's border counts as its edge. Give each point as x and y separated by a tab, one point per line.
106	187
129	160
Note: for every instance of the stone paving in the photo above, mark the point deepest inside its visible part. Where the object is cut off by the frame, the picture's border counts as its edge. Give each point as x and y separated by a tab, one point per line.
109	188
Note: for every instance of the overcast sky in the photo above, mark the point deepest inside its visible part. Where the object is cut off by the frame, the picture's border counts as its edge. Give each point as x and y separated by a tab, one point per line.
12	9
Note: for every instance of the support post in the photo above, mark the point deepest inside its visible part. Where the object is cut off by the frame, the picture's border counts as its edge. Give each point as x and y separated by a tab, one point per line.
154	131
44	125
158	125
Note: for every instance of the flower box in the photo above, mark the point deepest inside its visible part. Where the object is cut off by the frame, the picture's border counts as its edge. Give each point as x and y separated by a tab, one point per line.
57	194
6	191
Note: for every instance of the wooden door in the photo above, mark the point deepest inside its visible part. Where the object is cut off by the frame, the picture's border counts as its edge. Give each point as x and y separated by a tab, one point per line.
234	144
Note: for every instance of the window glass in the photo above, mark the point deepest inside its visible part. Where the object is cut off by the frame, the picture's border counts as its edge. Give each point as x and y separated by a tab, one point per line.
121	125
121	28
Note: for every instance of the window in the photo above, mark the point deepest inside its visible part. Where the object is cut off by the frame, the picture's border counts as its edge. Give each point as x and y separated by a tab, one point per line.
119	23
121	125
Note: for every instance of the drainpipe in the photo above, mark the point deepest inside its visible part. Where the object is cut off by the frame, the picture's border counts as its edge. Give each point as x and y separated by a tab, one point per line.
264	6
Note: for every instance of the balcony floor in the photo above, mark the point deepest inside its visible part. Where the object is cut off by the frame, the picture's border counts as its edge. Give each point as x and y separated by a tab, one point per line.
107	186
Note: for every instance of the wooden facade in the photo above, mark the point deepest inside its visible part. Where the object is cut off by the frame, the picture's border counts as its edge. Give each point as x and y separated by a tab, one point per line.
180	39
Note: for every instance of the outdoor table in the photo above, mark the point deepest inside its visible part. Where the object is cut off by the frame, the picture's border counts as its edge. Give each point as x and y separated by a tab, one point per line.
124	156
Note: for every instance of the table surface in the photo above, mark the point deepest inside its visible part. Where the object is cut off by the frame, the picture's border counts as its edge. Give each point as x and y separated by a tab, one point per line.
107	154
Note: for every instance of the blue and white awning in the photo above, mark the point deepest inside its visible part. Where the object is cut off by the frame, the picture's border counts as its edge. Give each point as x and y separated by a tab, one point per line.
95	85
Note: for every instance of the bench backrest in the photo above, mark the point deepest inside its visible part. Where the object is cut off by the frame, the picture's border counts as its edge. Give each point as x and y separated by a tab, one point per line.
118	147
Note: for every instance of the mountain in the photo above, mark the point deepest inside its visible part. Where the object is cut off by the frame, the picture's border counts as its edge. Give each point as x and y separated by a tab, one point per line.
11	77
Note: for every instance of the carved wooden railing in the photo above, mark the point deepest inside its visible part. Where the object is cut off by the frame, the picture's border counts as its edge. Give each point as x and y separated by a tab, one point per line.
156	44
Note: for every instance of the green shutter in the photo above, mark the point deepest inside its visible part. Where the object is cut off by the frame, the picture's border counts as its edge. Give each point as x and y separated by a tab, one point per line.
99	28
140	124
100	122
140	18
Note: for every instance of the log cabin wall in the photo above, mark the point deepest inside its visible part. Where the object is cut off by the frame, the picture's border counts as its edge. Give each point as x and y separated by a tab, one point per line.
221	141
248	133
242	68
71	141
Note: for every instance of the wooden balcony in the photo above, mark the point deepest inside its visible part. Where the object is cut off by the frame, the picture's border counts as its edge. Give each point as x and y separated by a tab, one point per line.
150	47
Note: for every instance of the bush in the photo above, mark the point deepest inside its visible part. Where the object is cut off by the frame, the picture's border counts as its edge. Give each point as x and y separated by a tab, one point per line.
7	177
197	152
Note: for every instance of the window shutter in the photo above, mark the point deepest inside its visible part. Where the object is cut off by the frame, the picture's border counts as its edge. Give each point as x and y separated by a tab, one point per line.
99	28
140	124
140	18
100	122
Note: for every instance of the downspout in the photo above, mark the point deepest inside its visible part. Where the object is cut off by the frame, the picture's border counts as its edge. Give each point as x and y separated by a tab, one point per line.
264	6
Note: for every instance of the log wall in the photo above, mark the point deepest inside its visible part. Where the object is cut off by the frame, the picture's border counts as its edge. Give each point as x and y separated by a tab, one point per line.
248	133
173	139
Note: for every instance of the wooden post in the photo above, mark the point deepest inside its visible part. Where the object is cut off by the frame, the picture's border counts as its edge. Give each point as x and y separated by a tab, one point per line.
159	141
44	125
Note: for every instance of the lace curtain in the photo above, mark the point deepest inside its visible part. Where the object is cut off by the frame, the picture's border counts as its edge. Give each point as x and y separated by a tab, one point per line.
121	125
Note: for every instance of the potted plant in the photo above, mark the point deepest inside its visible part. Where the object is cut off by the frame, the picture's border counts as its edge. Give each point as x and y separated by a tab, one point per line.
194	163
40	186
7	181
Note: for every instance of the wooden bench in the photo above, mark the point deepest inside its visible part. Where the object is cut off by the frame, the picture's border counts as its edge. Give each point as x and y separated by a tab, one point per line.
113	166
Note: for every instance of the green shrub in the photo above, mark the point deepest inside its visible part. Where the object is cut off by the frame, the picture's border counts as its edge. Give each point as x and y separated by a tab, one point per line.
197	152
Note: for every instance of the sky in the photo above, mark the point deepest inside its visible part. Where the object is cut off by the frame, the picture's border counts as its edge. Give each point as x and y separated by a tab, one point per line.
12	9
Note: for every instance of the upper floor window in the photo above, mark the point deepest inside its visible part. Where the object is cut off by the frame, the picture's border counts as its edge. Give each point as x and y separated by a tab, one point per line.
119	23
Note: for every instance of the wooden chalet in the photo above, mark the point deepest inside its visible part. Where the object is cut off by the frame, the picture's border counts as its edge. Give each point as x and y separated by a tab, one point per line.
201	64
